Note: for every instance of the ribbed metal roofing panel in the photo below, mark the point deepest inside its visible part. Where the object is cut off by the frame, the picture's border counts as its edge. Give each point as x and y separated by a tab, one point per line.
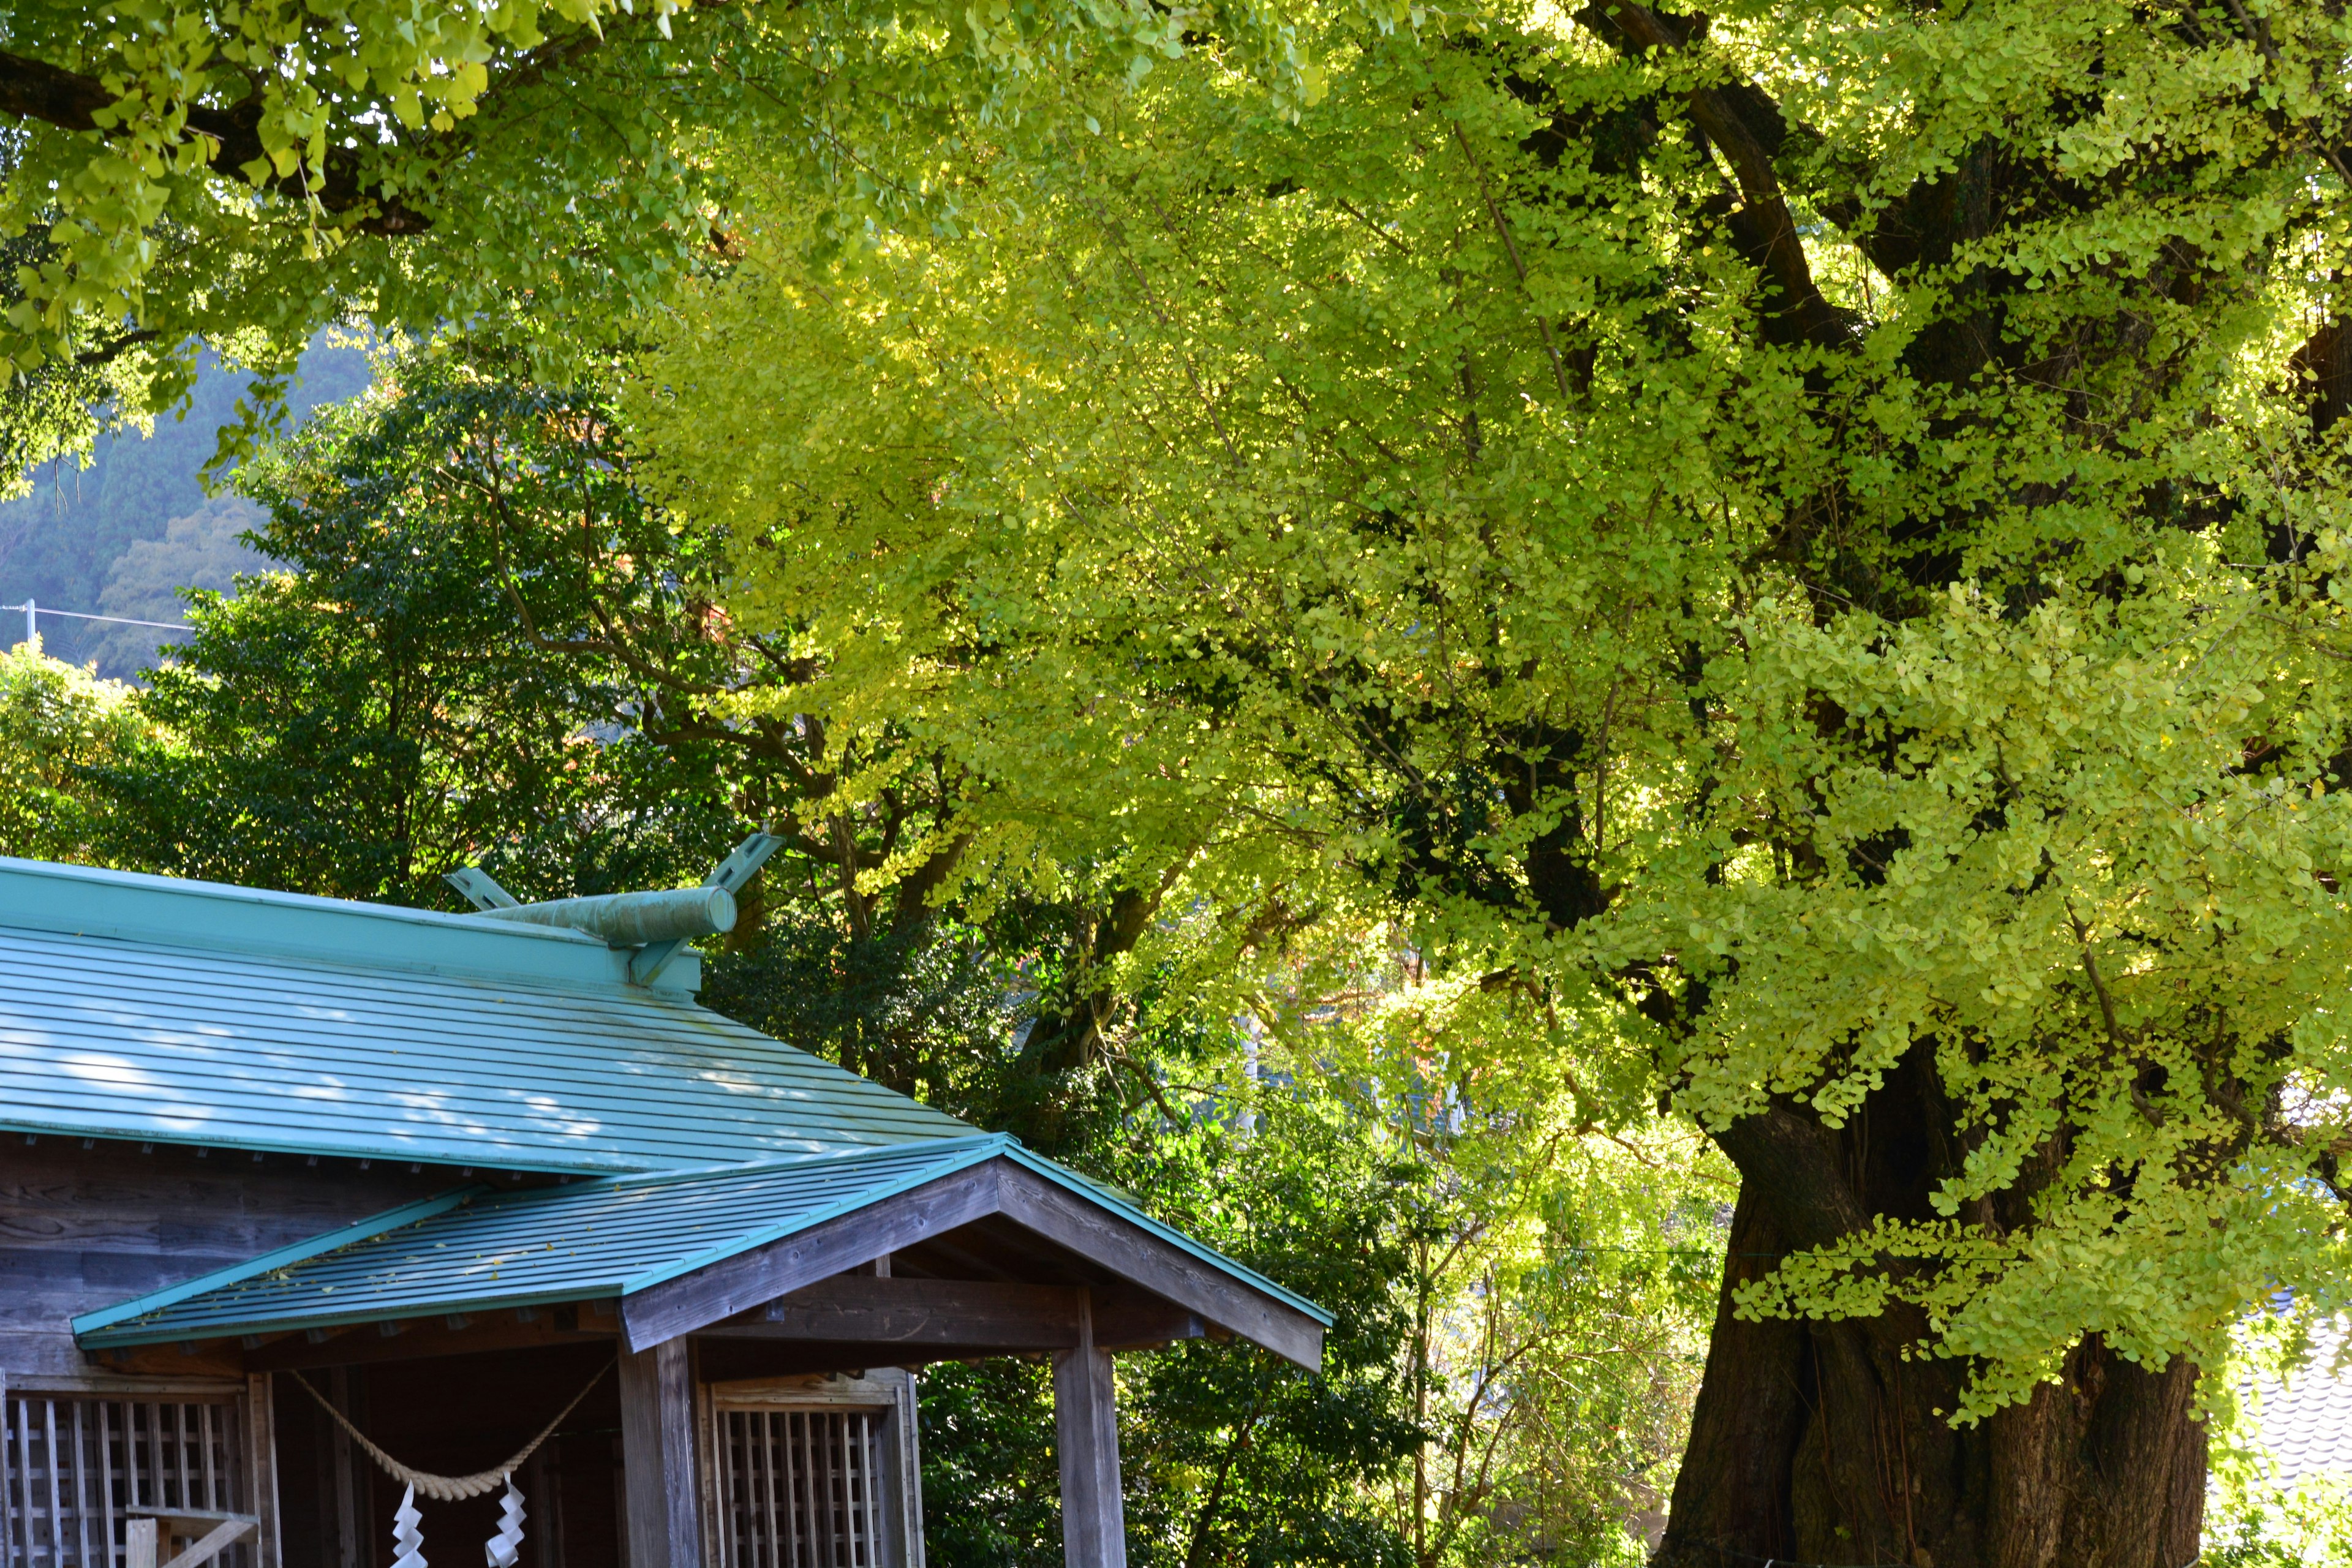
496	1250
338	1045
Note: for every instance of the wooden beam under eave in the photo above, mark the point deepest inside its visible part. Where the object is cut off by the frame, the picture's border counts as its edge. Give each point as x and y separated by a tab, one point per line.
902	1322
214	1358
720	1291
1136	1256
919	1312
432	1337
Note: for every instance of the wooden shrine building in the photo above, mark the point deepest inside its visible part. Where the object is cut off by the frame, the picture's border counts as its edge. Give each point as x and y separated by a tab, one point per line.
298	1195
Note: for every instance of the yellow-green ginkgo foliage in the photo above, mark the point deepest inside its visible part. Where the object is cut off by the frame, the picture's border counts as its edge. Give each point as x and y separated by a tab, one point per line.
527	173
1805	545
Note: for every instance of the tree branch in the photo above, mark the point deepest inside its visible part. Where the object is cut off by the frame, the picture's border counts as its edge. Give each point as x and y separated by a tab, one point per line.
35	90
1746	124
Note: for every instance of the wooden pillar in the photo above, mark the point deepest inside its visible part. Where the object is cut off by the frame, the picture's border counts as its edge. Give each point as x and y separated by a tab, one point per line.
543	1479
342	1492
355	1535
262	1464
657	1457
1086	1433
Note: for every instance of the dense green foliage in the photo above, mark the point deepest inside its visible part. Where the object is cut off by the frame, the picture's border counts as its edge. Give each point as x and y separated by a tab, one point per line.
1793	558
2309	1525
183	172
466	587
1785	650
57	723
375	714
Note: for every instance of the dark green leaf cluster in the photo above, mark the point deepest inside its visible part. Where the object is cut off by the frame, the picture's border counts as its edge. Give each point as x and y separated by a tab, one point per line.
380	711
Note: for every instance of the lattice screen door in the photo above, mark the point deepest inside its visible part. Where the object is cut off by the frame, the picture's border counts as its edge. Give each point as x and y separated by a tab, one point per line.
802	1488
72	1468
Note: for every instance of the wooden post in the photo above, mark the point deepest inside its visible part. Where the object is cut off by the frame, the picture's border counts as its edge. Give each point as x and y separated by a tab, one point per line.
1086	1433
657	1457
543	1476
342	1516
139	1543
262	1464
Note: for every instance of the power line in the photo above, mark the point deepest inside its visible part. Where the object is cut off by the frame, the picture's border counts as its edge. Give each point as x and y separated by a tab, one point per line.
33	610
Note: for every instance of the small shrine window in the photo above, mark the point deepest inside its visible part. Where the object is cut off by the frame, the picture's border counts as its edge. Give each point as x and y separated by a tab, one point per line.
76	1468
816	1473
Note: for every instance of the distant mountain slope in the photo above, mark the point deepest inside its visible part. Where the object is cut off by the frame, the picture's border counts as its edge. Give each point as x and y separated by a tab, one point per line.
61	543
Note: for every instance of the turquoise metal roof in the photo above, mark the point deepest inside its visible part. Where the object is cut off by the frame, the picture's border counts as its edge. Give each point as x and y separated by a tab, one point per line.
475	1250
148	1008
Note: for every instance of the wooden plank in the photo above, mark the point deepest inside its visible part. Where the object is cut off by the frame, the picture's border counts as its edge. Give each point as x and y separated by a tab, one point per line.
1086	1440
261	1466
8	1549
340	1457
367	1527
886	1311
81	1479
657	1457
140	1537
57	1528
780	1441
545	1473
902	1475
1133	1320
215	1493
219	1539
1135	1254
106	1477
753	1278
706	1464
103	1385
810	1462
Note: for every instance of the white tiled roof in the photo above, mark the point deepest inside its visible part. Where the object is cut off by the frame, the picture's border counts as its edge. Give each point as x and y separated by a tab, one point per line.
2307	1425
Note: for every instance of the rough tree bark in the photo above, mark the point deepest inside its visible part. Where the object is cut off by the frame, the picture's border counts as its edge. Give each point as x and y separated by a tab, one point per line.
1822	1443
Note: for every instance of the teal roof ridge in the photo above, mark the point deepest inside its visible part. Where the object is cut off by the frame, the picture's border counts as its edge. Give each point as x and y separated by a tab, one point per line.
1111	1198
221	917
285	1256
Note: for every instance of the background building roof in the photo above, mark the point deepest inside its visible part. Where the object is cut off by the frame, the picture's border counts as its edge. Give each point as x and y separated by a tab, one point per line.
2305	1423
148	1008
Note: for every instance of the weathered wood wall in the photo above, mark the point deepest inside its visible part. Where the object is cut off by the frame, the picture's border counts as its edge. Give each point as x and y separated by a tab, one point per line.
84	1228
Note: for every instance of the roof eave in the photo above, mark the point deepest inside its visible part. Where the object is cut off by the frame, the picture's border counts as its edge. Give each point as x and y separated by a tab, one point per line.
90	1325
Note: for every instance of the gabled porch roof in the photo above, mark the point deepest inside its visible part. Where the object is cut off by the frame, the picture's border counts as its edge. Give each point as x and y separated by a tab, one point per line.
682	1250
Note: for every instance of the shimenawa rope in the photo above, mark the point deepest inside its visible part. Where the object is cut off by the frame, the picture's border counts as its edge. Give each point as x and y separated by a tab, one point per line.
450	1489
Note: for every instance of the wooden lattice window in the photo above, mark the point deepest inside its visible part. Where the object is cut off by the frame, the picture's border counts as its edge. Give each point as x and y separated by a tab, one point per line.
74	1469
823	1480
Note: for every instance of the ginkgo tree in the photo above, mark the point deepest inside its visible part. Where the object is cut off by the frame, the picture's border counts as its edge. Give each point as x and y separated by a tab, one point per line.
1800	550
530	173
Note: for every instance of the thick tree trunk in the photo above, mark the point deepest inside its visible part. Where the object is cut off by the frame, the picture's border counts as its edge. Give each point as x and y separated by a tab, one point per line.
1819	1443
